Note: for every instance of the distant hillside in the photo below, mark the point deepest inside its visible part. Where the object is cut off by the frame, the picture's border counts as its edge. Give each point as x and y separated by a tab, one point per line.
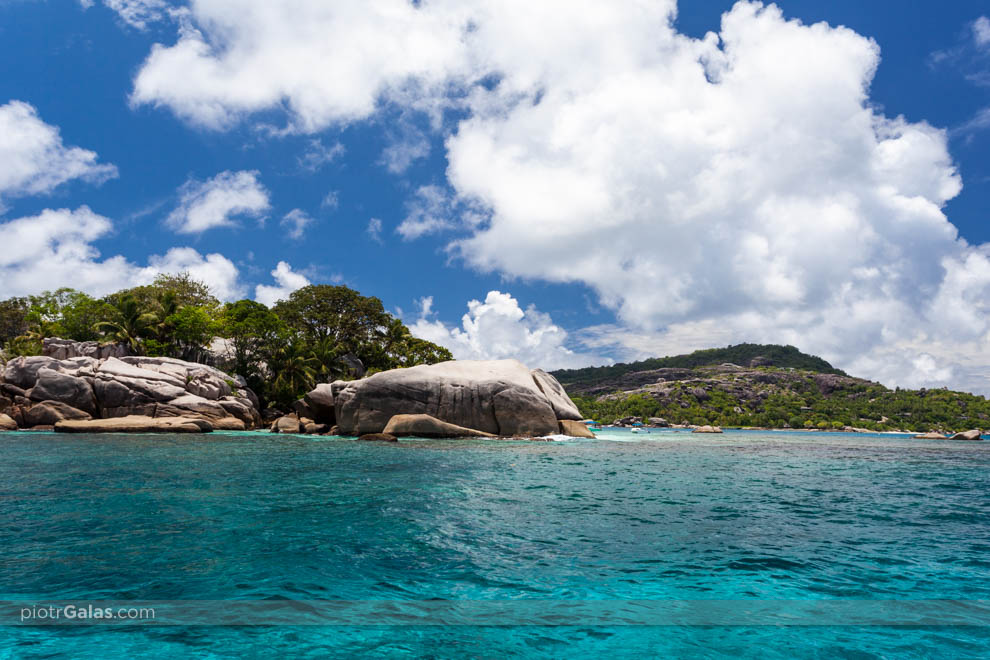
763	386
744	355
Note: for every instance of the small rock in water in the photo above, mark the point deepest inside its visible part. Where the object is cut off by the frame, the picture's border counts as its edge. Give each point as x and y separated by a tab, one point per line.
380	437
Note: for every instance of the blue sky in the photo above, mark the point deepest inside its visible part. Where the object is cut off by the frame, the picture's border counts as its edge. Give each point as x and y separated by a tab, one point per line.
585	183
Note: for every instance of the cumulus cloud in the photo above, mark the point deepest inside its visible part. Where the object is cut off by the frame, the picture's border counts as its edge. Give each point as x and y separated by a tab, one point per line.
55	248
296	222
497	329
33	159
286	281
329	62
218	202
742	181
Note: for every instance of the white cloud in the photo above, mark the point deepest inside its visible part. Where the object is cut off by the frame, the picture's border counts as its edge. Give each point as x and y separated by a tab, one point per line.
498	328
981	32
296	221
318	154
742	182
33	159
286	281
218	202
329	62
55	249
432	210
375	230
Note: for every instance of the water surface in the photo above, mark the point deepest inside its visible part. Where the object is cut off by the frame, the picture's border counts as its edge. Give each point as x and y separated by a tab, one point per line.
660	517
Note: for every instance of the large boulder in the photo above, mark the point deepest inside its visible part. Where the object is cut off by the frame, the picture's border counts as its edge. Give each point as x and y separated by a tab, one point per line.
575	429
135	424
51	412
562	405
424	426
65	349
287	424
974	434
7	423
58	386
499	397
320	401
23	371
706	429
191	405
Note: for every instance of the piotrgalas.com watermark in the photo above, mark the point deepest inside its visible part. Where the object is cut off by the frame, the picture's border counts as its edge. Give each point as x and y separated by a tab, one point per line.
83	612
537	612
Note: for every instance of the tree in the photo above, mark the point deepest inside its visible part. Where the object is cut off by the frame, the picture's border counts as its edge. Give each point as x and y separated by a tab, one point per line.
13	318
254	331
294	369
131	322
321	311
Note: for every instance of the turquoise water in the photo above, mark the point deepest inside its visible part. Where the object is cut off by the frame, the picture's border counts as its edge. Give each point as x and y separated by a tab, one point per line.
664	517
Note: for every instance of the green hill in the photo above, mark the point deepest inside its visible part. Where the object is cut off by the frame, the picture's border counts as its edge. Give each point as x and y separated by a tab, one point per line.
744	355
763	386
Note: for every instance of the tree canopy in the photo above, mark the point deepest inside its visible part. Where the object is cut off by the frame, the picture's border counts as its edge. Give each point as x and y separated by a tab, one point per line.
318	334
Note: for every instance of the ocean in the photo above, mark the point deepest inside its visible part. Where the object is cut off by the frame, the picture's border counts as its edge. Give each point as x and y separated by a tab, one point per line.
668	544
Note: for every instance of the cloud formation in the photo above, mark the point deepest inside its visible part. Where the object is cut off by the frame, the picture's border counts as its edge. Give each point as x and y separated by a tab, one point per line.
55	248
286	281
218	202
742	182
497	329
33	159
295	222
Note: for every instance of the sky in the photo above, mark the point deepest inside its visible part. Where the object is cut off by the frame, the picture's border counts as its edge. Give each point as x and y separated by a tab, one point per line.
564	182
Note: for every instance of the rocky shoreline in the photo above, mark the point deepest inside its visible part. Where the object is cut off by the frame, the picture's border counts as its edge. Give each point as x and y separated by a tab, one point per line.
82	387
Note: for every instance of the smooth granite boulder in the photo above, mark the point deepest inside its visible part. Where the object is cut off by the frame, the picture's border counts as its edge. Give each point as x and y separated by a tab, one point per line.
498	397
320	402
930	435
23	371
424	426
7	423
287	424
562	405
974	434
58	386
135	424
706	429
575	429
51	412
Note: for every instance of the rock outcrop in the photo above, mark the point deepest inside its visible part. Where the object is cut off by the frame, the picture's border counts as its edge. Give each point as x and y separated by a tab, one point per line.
575	429
931	435
424	426
7	423
135	424
497	397
973	434
71	384
706	429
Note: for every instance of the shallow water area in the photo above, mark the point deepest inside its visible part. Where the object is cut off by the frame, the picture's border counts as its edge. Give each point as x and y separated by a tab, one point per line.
659	517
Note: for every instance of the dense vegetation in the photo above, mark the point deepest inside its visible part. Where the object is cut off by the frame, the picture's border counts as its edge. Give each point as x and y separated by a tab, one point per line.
785	398
741	354
318	334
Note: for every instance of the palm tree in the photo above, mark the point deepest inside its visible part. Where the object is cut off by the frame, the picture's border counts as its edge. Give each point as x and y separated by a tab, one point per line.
166	306
294	368
131	325
329	366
